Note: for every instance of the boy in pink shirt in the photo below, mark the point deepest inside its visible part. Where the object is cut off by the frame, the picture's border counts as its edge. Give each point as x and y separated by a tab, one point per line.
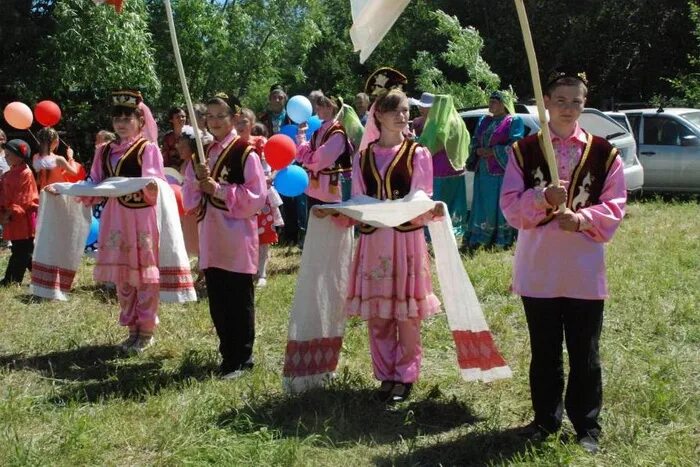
227	192
559	265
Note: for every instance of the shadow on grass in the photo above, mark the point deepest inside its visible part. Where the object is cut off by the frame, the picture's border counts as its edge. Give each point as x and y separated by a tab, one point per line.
477	448
342	413
99	292
288	269
98	372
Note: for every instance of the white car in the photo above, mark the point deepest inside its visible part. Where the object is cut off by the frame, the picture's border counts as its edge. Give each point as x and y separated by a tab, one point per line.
669	147
592	120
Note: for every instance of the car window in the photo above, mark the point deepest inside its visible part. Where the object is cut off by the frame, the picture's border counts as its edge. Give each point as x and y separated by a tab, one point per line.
692	117
663	131
634	123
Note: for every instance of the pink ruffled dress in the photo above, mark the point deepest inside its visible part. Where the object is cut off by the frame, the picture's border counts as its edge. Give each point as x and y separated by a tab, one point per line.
128	238
390	276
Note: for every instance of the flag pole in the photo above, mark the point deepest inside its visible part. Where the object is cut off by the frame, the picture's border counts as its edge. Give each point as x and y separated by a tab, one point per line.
183	81
537	85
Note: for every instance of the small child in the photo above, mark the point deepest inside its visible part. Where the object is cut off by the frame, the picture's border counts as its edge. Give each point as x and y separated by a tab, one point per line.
559	265
50	167
269	216
19	202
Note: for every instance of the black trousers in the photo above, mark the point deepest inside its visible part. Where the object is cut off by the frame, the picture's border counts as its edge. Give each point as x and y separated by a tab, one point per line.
550	321
20	261
232	309
290	231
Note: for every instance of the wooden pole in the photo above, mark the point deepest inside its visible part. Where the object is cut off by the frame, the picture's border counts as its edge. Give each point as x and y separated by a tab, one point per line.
183	81
534	72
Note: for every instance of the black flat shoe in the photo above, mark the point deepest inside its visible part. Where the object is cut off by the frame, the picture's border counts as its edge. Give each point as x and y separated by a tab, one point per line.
400	392
384	392
589	444
534	432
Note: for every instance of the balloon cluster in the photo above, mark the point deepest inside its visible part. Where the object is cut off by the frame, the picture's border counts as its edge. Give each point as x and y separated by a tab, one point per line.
18	115
280	149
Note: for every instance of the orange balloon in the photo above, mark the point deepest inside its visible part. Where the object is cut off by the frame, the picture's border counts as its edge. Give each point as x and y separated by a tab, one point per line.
18	115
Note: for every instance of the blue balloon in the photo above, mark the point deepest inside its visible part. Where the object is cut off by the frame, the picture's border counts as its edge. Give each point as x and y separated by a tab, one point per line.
94	231
290	130
314	123
291	181
299	109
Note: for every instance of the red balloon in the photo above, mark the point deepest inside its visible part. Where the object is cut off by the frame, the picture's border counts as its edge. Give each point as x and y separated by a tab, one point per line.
48	113
280	151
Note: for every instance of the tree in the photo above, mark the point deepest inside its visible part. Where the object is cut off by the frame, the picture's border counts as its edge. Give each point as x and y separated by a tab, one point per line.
93	51
688	85
463	51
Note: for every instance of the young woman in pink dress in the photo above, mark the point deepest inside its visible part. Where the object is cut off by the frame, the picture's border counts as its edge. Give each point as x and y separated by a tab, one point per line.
128	238
390	280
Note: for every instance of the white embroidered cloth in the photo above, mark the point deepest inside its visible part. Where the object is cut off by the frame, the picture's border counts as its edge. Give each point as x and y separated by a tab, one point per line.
317	320
63	225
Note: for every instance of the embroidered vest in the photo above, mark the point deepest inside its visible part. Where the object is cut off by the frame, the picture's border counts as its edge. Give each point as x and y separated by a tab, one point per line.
128	165
228	169
587	179
343	164
396	182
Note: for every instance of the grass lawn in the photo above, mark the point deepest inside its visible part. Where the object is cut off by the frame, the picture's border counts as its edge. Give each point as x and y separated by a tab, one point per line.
68	397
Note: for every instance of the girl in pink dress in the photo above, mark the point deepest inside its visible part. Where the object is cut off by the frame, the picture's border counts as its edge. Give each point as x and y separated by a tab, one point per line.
128	238
390	281
326	157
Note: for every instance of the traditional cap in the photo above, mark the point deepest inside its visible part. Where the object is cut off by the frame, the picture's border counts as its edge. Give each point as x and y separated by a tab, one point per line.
277	88
566	72
384	79
18	147
126	98
232	101
426	100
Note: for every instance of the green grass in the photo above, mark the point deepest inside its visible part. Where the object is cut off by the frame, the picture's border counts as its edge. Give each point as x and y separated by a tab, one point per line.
67	397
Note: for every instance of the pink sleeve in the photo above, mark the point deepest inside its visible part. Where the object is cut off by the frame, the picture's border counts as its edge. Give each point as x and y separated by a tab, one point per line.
523	209
191	195
151	166
324	156
358	183
152	162
422	178
96	174
246	199
601	220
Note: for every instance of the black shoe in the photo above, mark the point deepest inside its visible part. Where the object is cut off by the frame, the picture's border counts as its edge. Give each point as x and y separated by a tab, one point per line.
534	432
400	392
589	444
384	392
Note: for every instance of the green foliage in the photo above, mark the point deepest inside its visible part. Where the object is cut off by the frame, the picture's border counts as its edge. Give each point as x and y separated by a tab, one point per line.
92	51
688	85
464	46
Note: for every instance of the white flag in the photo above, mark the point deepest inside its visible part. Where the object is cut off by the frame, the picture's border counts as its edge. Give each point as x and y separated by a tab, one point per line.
371	20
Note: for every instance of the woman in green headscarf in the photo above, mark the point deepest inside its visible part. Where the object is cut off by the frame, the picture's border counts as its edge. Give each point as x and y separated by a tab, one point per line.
487	159
443	132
